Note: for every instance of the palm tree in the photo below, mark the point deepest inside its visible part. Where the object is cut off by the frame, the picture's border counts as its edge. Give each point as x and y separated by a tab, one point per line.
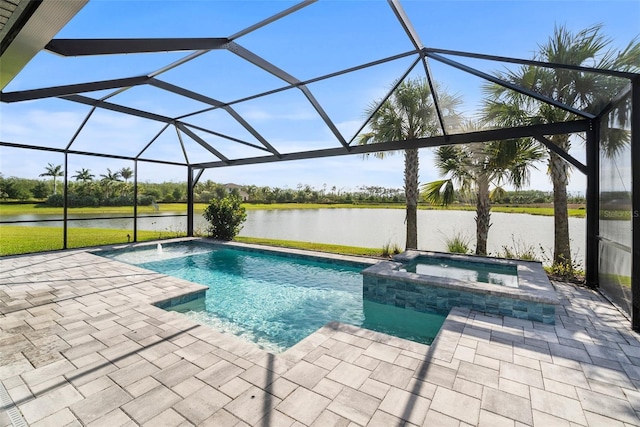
54	172
109	179
126	173
585	91
474	168
408	113
252	191
83	175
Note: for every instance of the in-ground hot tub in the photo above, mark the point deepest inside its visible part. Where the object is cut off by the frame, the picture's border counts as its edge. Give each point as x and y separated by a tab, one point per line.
428	281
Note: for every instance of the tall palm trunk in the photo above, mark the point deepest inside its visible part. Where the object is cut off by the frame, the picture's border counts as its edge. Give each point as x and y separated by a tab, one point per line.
483	214
55	185
411	166
559	178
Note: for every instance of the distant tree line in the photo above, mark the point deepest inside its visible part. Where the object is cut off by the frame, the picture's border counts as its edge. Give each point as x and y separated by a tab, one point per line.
113	188
307	194
116	189
522	197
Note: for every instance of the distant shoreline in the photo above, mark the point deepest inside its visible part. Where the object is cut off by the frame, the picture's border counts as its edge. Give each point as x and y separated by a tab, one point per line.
575	211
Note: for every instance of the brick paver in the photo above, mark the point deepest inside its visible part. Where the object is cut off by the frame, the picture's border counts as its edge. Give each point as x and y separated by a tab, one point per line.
80	344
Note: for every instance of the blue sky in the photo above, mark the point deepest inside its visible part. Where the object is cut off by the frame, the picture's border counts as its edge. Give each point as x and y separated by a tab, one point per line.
322	38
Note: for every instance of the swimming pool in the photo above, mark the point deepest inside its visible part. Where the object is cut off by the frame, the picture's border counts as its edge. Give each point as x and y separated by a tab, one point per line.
275	300
465	270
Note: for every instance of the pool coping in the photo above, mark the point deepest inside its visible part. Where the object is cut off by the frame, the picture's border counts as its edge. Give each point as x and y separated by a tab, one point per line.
288	252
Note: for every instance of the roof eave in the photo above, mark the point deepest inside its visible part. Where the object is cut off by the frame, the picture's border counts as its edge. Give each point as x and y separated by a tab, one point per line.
29	30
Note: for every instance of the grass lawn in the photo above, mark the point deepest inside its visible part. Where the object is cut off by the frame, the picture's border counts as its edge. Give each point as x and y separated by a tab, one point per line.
19	240
36	209
320	247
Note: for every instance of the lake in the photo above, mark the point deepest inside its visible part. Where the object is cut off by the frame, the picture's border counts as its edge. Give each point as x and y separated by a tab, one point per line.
376	227
368	227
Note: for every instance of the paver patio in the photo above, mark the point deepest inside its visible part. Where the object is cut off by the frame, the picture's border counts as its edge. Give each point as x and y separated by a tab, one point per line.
80	344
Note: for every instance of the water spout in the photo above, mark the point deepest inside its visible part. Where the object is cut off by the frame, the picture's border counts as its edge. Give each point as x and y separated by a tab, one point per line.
159	248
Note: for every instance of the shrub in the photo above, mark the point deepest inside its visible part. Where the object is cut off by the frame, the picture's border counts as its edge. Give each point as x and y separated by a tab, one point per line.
458	244
567	271
153	193
55	201
118	201
145	200
82	201
388	249
40	190
519	250
225	217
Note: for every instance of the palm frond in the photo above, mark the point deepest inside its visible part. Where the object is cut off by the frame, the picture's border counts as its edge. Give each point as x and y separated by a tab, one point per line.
439	192
497	193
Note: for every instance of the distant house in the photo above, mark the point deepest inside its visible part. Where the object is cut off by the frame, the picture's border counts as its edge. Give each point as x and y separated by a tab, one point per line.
243	194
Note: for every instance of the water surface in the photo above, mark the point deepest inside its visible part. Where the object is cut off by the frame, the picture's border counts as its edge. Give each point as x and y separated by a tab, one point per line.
276	301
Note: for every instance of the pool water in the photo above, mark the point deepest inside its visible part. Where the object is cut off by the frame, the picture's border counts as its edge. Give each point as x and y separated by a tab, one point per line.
503	275
276	301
